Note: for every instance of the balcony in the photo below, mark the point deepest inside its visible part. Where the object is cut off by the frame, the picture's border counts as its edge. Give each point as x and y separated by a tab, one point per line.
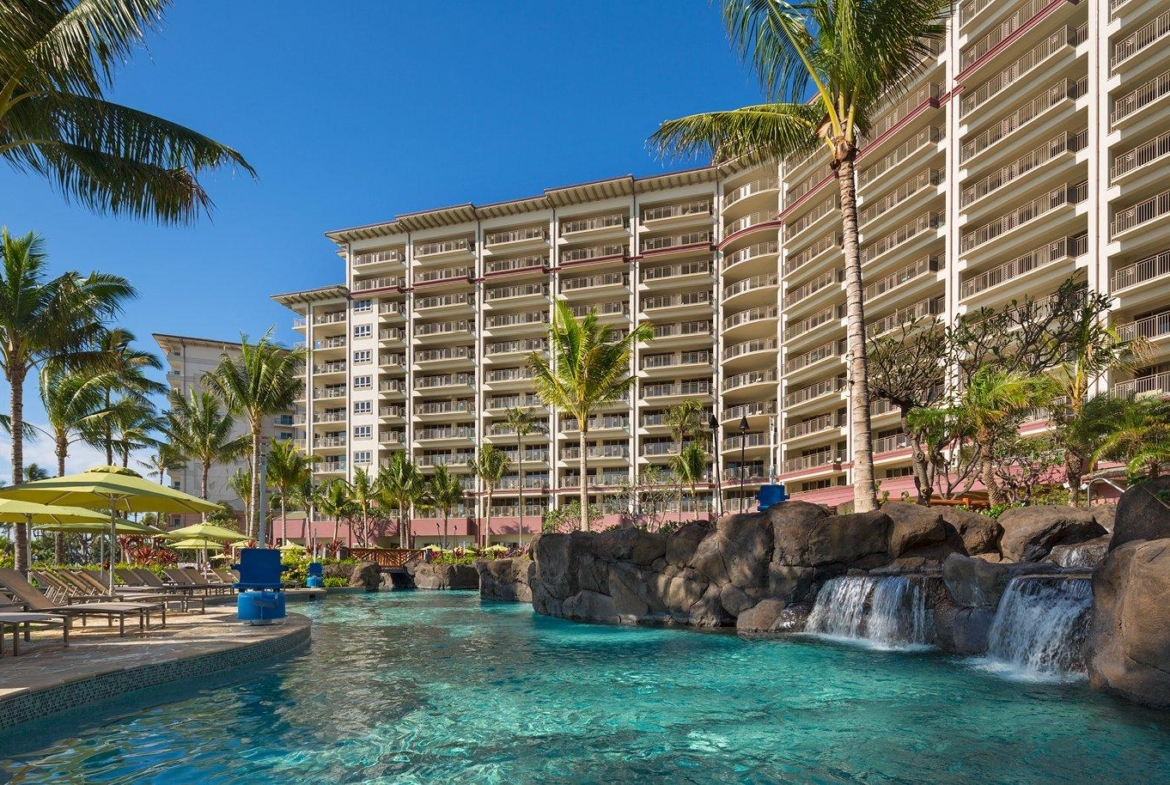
616	451
1141	213
455	458
1065	143
595	281
889	444
748	221
809	288
749	378
397	411
927	178
750	347
691	388
1157	384
393	360
393	255
916	269
751	252
392	386
798	190
1037	56
442	301
442	432
598	423
1140	156
676	271
822	352
927	93
501	375
391	437
822	209
750	189
829	313
698	207
908	315
594	252
602	309
658	302
927	137
328	392
444	380
926	222
510	236
825	422
755	283
578	225
753	409
386	282
525	346
745	441
328	442
1022	216
444	328
1148	269
526	401
1000	32
682	329
446	274
1140	40
830	242
1064	90
391	309
652	362
330	467
1150	327
1140	98
821	459
970	9
515	292
329	416
461	406
515	265
1064	249
331	367
462	244
750	316
676	241
391	334
659	449
814	391
336	342
333	317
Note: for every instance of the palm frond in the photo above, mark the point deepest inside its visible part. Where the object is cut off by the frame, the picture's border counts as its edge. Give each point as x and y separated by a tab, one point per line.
751	133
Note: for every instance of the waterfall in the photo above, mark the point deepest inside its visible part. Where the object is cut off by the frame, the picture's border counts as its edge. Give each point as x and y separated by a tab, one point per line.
1040	626
887	611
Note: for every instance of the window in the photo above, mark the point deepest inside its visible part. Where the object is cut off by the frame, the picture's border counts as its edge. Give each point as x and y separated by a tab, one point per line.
363	382
362	356
363	431
284	436
363	306
362	407
362	456
363	330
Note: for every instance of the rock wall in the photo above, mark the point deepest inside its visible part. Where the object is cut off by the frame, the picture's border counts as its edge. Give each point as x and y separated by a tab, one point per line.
505	579
442	576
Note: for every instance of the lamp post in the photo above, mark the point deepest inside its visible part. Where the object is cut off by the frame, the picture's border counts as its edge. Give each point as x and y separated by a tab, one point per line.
713	424
743	429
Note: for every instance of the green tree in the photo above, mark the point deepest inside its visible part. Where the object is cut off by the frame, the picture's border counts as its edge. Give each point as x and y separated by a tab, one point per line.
685	421
337	504
590	367
444	493
200	430
57	60
364	493
851	57
240	481
308	495
402	486
1139	436
165	460
288	470
690	467
42	320
489	466
34	472
264	380
124	373
522	422
135	421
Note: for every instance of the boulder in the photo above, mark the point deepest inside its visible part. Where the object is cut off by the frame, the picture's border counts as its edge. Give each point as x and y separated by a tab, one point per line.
629	545
914	526
1106	515
682	543
636	595
367	575
746	543
761	617
682	592
441	577
858	540
962	630
590	606
1143	513
1085	555
975	582
795	584
335	570
708	611
1128	648
1030	533
792	619
506	580
980	533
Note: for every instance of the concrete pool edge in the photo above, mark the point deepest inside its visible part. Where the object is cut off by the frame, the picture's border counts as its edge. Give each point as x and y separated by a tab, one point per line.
105	684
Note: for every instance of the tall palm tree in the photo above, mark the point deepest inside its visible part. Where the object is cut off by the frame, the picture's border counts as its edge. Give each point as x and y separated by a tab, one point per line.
402	486
1139	435
445	492
200	430
261	382
124	370
335	502
288	470
364	493
34	472
522	423
165	460
135	422
308	495
489	466
685	421
850	57
240	481
45	319
57	59
690	466
590	367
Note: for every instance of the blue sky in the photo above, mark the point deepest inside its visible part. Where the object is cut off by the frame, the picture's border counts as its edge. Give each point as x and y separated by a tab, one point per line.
354	111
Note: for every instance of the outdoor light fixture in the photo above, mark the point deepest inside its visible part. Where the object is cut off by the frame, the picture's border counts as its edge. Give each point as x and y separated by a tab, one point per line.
743	429
713	424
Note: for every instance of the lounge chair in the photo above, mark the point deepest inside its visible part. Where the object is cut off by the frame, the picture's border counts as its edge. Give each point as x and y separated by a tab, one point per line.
17	620
34	601
185	581
199	579
53	587
227	576
144	594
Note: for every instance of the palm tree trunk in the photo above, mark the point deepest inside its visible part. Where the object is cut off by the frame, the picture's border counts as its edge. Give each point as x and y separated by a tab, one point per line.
864	492
284	522
446	517
254	491
1074	470
16	403
203	484
988	471
487	532
583	525
520	470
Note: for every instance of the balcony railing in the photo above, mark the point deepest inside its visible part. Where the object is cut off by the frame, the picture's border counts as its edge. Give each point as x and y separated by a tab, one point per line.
1063	90
751	315
1140	39
337	416
676	270
333	317
594	281
888	444
817	460
1033	59
597	423
1066	248
593	252
392	385
700	327
920	182
336	342
1157	266
1141	97
701	297
391	334
653	361
819	211
829	242
329	392
516	319
815	390
392	437
825	422
1141	156
697	207
1143	212
824	351
602	309
446	274
749	410
665	389
751	284
924	223
509	292
445	432
1030	212
440	328
520	263
903	152
916	269
591	224
445	407
573	452
386	282
441	301
749	377
1150	327
510	375
749	189
751	252
908	315
513	347
377	257
1154	384
444	246
516	235
795	192
676	241
333	367
925	93
391	308
748	221
971	9
392	359
750	347
392	411
809	288
746	440
514	401
1000	32
796	329
329	441
444	380
1066	142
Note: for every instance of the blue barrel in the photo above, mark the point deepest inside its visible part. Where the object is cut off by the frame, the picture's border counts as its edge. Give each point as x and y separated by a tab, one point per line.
314	582
771	495
260	607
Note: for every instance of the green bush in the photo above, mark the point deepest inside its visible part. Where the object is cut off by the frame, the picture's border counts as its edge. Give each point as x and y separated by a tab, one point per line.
451	558
335	582
296	571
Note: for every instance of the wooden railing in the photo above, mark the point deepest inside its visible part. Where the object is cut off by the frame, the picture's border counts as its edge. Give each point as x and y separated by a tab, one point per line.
386	557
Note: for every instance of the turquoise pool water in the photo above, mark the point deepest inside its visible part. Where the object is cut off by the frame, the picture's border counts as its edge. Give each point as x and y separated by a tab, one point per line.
429	687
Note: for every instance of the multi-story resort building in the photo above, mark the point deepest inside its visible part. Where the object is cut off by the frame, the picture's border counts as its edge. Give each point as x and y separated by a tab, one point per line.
1032	148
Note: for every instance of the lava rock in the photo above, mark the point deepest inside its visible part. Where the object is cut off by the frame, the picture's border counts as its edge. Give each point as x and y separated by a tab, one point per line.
682	543
507	580
366	575
761	617
1030	533
1141	514
980	533
914	526
962	630
1085	555
974	582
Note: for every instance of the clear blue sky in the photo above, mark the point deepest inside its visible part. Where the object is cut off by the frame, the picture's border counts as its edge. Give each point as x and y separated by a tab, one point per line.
356	111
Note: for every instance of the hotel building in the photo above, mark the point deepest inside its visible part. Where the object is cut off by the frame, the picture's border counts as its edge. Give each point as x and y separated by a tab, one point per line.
1032	148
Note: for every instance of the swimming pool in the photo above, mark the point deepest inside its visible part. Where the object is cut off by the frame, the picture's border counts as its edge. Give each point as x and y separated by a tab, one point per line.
426	687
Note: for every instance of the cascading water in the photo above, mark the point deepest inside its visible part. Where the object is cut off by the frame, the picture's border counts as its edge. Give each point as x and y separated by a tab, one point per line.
1040	626
887	611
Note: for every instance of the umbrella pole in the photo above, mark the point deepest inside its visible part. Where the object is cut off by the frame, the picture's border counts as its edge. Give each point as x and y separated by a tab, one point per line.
113	541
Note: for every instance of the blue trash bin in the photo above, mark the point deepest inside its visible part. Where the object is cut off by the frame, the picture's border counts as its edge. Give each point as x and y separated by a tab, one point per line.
316	579
771	495
260	607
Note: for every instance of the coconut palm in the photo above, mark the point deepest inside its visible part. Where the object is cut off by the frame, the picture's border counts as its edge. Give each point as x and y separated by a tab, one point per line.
851	58
240	482
45	319
308	495
200	430
288	470
1139	435
165	460
365	494
444	493
1082	432
402	486
590	367
57	59
336	503
522	422
35	472
690	467
489	466
685	421
135	420
123	370
263	381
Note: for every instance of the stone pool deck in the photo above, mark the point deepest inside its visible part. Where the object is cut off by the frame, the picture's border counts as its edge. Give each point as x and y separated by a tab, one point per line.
98	664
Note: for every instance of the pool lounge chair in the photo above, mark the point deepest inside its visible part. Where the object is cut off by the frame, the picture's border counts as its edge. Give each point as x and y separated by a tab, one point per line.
146	594
26	620
34	601
150	579
227	576
181	578
199	579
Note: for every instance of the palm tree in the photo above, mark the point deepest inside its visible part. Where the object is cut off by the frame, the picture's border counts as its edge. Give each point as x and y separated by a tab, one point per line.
308	495
445	492
135	421
402	485
364	493
200	430
288	470
690	466
240	481
685	421
124	372
489	466
165	460
261	382
1083	431
1139	435
40	320
34	472
335	502
523	423
56	61
992	403
590	368
850	57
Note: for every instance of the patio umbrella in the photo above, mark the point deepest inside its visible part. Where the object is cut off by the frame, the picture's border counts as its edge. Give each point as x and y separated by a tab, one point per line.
496	548
291	547
434	548
192	544
123	526
204	531
109	488
242	544
31	513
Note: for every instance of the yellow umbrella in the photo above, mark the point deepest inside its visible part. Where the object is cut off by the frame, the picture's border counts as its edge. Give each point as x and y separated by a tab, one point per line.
16	511
204	531
121	527
193	544
109	488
